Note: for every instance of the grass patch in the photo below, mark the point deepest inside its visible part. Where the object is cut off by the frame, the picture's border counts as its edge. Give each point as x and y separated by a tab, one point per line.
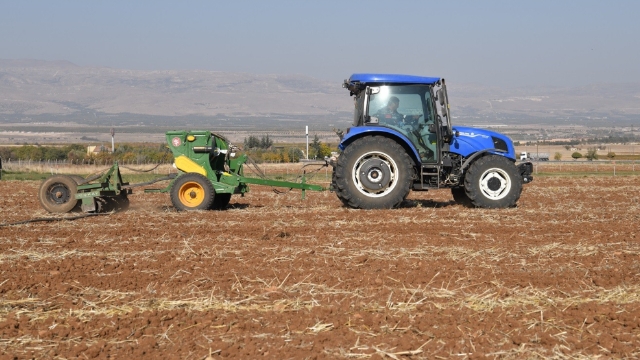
625	157
10	175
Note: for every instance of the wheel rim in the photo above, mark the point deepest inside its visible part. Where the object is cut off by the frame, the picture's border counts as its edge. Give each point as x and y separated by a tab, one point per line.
58	194
191	194
495	183
375	174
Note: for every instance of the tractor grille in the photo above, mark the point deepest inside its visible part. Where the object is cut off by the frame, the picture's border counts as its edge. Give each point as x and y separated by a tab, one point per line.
499	144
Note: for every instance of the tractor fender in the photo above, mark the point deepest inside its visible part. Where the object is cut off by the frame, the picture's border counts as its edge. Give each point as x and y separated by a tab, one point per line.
355	133
477	155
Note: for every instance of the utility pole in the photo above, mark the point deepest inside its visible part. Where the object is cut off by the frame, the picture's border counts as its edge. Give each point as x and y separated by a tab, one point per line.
633	139
113	144
307	133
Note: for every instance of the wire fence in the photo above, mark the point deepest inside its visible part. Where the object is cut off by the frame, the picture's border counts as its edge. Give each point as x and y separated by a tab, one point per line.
612	167
74	167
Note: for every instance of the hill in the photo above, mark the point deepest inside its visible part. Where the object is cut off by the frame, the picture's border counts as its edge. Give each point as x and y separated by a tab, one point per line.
59	91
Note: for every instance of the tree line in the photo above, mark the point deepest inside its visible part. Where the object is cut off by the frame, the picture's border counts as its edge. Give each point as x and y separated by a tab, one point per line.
260	149
263	150
584	141
126	153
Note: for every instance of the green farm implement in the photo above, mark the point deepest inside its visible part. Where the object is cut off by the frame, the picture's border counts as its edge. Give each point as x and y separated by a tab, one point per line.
209	172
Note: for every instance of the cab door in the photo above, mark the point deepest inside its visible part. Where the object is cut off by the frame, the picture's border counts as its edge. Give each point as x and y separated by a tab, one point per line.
429	130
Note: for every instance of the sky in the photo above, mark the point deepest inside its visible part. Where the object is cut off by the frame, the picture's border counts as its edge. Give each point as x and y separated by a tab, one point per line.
495	43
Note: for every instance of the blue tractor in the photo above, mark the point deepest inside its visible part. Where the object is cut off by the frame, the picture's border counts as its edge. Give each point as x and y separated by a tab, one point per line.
402	139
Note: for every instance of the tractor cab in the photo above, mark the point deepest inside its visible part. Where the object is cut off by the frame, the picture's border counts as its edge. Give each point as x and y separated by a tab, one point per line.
412	107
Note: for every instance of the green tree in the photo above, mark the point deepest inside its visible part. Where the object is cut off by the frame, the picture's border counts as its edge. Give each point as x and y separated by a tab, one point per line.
315	145
611	155
74	147
576	155
265	142
325	150
295	154
76	155
53	153
6	153
557	156
252	142
592	153
29	152
128	157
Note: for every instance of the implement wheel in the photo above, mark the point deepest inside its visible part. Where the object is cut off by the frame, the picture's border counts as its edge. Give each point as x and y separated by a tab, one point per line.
220	201
57	194
192	191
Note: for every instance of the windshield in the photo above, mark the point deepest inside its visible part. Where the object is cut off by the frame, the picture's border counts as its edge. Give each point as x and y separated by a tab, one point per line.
407	109
401	105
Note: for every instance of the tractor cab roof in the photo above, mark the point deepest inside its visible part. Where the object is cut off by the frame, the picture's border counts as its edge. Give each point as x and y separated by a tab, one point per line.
391	78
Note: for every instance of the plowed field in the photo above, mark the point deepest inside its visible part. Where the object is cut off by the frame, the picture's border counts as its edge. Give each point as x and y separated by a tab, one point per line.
279	277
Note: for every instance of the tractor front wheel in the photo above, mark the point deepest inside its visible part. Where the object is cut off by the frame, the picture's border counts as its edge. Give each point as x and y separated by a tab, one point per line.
57	194
192	191
373	172
493	182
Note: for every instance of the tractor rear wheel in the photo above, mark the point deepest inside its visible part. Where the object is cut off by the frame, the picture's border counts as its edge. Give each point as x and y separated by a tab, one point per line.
373	172
57	194
192	191
493	182
220	201
460	196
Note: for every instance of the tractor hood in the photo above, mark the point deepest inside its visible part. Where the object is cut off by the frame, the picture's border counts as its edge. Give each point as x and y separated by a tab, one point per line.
468	140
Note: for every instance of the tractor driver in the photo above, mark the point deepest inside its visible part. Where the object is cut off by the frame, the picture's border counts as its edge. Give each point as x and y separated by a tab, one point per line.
389	114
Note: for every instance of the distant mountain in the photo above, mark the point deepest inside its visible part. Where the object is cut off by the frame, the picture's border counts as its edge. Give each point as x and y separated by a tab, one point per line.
598	103
34	88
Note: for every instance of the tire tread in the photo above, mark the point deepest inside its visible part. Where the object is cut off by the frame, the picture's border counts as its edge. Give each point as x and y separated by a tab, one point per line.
347	193
475	171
